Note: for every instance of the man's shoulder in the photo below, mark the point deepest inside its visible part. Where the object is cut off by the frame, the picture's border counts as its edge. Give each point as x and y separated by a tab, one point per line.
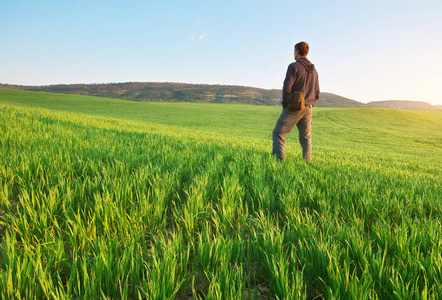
292	65
295	65
302	62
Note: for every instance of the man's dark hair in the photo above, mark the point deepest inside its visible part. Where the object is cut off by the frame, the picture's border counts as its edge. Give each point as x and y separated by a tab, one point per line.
302	48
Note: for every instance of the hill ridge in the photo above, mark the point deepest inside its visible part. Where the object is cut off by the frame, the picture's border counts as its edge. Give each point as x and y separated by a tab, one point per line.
204	93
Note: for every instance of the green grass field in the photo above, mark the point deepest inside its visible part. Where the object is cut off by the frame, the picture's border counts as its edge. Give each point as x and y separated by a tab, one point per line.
102	198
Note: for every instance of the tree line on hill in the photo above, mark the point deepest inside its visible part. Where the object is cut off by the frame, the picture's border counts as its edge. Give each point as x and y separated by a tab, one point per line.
164	92
204	93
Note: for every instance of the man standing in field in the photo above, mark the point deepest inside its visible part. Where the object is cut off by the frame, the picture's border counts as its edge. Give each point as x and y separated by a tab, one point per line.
296	79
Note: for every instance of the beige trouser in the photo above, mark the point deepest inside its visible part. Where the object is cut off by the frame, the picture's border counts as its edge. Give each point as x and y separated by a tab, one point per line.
286	122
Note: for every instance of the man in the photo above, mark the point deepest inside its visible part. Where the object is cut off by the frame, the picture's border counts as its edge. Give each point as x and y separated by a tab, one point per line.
296	79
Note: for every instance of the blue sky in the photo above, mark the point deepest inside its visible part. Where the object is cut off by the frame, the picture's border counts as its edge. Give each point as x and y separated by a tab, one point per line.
363	50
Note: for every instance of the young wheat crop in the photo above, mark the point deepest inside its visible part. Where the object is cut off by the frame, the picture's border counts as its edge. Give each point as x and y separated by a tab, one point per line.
95	207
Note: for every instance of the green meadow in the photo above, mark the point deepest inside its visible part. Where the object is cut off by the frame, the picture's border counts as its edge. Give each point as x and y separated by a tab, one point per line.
111	199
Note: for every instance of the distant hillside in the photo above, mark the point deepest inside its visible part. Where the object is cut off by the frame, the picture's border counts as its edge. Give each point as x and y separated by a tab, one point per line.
401	104
164	92
332	100
204	93
180	92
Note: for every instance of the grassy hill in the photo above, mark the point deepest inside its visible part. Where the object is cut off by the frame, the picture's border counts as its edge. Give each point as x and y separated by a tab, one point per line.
165	92
332	100
228	119
409	105
179	92
204	93
106	198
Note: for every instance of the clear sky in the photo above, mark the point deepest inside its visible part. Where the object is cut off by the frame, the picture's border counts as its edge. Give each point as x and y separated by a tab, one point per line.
363	50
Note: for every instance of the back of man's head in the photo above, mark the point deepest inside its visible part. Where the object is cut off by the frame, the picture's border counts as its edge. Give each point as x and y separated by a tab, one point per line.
302	48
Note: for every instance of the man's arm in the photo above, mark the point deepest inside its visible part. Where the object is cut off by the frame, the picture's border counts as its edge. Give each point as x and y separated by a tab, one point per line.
288	82
318	92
